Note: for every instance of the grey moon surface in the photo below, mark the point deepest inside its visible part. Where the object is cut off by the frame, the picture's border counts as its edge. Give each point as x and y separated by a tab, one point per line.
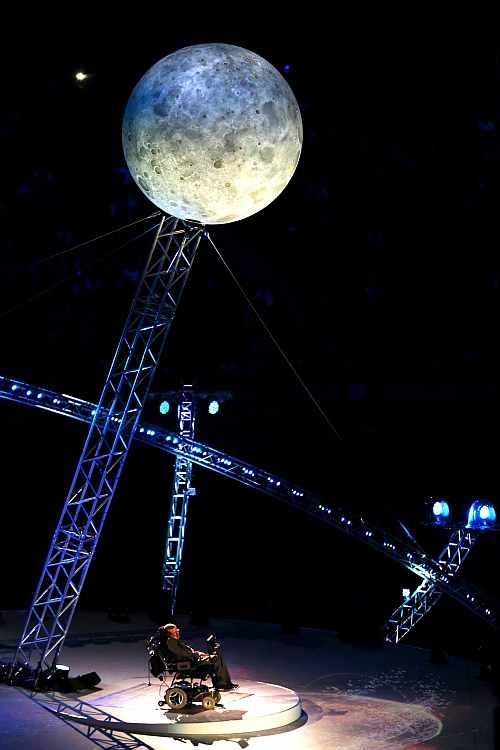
212	133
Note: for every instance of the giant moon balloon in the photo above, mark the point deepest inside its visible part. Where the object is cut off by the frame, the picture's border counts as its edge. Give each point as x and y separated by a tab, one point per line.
212	133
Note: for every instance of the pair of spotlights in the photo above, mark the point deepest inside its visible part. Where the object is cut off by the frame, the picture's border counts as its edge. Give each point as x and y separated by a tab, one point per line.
481	514
213	407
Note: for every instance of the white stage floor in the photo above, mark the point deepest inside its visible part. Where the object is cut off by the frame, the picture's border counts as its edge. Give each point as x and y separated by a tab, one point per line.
254	707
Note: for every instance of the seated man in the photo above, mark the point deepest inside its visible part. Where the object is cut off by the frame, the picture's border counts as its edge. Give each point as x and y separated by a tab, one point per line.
170	640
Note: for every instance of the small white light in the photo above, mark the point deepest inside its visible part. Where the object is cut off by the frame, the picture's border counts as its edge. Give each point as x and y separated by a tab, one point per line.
81	76
406	593
484	512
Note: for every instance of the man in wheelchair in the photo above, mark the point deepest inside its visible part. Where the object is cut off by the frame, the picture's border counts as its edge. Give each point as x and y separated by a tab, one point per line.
190	668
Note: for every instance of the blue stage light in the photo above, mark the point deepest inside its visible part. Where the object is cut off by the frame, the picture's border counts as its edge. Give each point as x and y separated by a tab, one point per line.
164	407
441	511
482	515
213	407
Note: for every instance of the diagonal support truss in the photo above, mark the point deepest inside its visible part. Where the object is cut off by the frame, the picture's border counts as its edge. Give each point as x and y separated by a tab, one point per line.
112	429
427	594
181	492
398	549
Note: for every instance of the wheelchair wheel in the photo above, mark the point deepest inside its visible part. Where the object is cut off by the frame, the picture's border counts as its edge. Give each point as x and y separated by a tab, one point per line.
176	698
208	702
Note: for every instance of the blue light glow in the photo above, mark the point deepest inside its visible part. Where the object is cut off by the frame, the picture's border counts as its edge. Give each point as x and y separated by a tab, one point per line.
164	407
441	511
482	515
213	407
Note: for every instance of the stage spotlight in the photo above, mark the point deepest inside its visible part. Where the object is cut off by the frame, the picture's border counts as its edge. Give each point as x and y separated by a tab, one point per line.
440	511
164	407
213	407
56	679
61	675
482	515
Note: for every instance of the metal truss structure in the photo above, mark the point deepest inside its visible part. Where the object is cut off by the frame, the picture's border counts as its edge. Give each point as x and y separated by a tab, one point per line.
179	503
401	550
113	424
105	731
426	595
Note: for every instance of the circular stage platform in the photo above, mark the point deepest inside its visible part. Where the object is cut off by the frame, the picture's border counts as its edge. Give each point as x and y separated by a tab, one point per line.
253	707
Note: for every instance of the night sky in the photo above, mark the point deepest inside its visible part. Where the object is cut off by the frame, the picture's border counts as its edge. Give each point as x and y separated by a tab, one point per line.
376	269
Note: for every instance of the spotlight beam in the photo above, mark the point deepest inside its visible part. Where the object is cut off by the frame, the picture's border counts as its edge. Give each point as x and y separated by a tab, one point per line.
400	550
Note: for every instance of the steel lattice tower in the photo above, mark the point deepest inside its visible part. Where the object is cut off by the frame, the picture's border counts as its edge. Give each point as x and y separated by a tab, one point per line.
110	434
181	492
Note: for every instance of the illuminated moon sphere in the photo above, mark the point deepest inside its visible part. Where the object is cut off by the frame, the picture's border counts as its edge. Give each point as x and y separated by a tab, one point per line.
212	133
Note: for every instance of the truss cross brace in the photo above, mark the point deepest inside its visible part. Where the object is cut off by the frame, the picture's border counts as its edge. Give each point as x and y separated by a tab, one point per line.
427	595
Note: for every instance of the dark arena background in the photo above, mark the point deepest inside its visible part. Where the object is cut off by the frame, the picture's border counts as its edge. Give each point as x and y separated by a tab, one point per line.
377	272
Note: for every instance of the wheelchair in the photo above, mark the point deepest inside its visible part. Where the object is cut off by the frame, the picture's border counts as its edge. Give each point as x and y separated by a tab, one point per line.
188	683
